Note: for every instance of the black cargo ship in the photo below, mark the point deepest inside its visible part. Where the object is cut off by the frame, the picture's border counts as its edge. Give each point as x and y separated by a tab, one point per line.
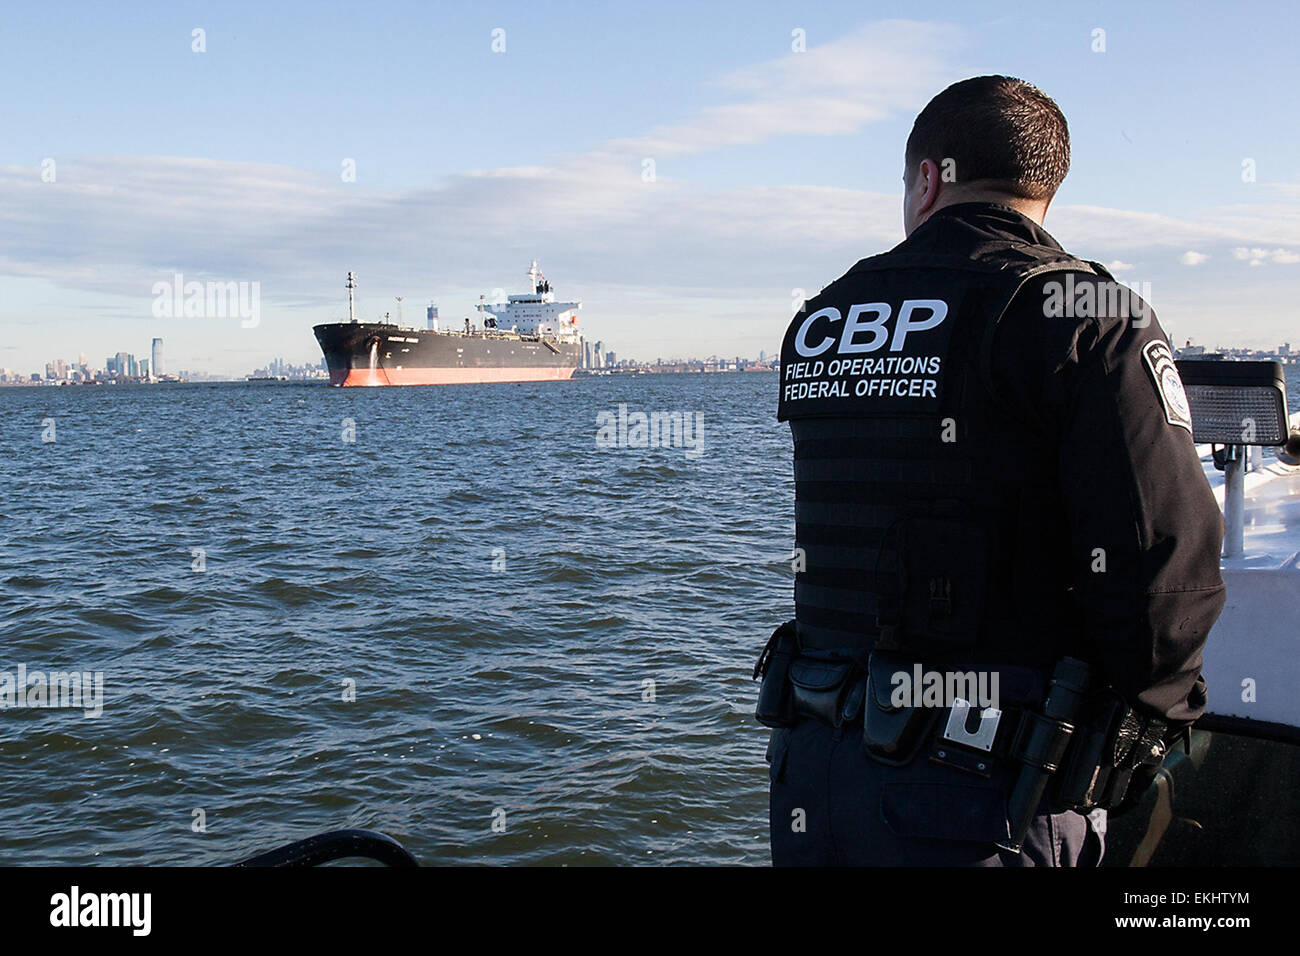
528	338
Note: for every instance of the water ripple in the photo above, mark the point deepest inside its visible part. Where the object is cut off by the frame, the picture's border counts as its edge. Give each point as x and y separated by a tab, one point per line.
470	618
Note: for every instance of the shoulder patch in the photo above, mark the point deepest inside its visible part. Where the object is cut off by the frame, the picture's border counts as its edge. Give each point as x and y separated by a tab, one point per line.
1164	375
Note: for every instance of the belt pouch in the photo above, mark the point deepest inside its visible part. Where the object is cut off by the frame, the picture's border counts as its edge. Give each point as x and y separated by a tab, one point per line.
775	707
890	734
818	687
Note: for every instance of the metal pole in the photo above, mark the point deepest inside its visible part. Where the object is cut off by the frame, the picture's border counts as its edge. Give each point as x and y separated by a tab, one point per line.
1234	503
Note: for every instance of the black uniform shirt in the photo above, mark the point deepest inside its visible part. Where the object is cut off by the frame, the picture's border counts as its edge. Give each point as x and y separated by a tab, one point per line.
1145	531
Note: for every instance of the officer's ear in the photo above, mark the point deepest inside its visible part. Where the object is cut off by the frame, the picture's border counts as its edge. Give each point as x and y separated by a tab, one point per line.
921	191
929	183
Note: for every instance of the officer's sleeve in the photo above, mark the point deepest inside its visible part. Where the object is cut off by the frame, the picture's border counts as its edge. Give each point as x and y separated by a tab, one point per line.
1145	530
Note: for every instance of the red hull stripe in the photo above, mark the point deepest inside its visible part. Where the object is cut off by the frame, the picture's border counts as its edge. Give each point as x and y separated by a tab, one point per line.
445	376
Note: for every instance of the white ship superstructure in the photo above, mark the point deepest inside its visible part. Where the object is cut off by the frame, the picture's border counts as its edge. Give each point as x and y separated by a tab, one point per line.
533	313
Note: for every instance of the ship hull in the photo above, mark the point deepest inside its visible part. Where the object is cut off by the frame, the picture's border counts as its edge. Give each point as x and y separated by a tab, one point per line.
375	354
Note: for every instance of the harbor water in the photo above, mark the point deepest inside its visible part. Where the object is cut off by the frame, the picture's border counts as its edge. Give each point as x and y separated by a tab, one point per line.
465	616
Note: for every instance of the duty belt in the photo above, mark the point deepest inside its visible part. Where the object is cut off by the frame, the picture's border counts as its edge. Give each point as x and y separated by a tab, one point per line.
841	691
1101	751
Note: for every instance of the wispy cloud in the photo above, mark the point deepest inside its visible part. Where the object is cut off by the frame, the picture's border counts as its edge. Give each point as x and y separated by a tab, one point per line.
666	250
836	88
1258	257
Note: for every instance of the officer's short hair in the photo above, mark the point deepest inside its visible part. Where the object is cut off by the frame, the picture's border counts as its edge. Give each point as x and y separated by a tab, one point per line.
1000	131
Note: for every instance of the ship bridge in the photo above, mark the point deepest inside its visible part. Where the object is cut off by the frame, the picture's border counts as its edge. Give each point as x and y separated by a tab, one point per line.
533	313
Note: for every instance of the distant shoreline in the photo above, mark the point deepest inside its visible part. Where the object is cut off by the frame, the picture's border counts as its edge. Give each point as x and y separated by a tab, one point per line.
261	382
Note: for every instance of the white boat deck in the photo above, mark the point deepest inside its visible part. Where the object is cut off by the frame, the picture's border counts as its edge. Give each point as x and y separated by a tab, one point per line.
1252	650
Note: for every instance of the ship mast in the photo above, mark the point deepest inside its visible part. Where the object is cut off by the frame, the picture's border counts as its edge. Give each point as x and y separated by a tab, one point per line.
352	284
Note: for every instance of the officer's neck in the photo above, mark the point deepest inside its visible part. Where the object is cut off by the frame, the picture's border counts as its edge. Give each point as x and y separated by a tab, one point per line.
1033	209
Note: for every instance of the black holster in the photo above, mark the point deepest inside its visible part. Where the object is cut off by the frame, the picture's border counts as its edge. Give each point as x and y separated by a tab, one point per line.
1117	751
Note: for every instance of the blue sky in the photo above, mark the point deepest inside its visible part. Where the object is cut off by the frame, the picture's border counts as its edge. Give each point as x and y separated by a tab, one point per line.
774	169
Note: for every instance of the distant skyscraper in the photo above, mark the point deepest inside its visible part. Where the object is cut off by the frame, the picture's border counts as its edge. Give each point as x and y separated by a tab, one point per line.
609	359
598	355
156	358
144	368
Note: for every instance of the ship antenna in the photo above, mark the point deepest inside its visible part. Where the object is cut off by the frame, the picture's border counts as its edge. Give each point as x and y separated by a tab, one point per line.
399	311
352	284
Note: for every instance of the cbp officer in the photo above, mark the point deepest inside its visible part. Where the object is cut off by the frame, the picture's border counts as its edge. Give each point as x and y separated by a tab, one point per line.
994	471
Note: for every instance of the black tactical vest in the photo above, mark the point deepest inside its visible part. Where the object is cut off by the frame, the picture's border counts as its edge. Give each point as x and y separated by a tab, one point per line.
927	515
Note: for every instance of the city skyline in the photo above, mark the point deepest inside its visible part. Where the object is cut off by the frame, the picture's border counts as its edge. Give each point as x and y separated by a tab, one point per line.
718	170
309	370
120	365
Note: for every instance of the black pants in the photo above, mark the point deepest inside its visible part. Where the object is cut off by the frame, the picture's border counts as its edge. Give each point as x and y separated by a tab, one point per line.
832	805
